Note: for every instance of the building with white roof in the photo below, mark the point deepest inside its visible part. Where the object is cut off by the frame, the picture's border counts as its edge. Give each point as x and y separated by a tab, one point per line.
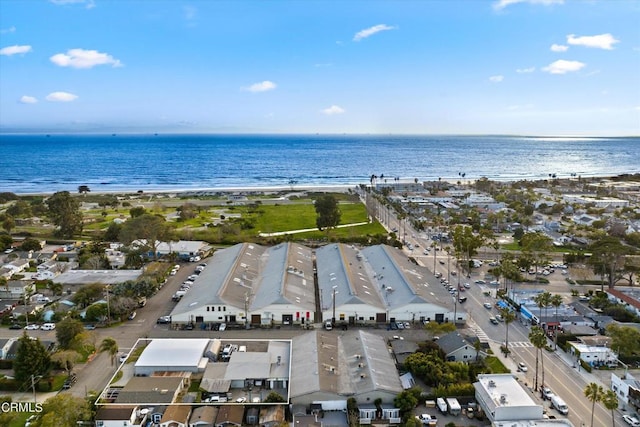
502	398
172	355
593	355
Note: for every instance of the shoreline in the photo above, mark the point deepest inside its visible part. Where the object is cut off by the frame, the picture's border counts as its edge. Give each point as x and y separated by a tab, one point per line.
341	188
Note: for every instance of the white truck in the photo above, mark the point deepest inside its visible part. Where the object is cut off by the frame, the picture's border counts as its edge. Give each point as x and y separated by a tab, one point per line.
559	404
453	406
442	405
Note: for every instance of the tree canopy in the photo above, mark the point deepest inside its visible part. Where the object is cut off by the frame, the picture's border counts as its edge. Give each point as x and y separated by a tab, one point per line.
63	410
31	359
327	211
66	331
149	229
64	212
625	339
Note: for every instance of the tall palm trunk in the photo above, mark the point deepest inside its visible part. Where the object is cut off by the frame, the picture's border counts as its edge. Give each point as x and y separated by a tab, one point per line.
542	363
535	387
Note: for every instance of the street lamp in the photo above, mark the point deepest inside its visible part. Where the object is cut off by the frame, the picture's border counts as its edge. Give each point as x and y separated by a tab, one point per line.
333	299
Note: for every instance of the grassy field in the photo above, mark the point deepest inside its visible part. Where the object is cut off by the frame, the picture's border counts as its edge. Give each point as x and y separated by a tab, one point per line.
218	221
245	221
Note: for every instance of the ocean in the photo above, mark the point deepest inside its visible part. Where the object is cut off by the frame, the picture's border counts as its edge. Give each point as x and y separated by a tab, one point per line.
157	162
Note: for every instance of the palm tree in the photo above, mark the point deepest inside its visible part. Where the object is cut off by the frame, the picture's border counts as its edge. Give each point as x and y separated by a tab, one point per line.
543	300
539	340
110	346
508	316
594	393
610	401
556	301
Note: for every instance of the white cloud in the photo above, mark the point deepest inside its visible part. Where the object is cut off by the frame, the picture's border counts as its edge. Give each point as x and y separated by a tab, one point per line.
261	87
526	70
501	4
89	4
8	30
13	50
363	34
562	66
61	97
601	41
81	58
334	109
25	99
559	48
496	79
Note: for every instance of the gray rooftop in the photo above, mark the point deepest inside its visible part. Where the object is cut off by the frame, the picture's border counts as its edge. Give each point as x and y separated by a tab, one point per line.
105	277
353	363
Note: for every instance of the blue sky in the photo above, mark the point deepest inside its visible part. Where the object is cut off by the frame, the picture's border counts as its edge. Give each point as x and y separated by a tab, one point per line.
534	67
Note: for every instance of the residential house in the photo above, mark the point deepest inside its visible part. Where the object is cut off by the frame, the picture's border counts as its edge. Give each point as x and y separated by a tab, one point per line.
230	415
118	416
16	289
203	416
176	416
458	348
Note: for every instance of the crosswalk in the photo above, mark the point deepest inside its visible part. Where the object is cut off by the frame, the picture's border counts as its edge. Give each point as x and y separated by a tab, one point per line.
482	337
522	344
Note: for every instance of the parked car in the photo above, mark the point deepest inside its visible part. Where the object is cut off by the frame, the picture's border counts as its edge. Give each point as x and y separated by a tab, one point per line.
241	399
222	327
89	327
15	326
133	315
32	327
164	319
631	420
48	327
546	393
427	420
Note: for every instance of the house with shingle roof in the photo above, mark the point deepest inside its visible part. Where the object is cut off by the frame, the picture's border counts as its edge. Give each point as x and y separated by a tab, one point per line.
457	348
230	415
176	416
203	416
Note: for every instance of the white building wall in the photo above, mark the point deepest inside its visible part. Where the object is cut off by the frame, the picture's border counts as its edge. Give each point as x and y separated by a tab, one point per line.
512	413
345	311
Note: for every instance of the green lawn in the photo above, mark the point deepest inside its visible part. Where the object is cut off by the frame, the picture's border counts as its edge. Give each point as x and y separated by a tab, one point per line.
496	366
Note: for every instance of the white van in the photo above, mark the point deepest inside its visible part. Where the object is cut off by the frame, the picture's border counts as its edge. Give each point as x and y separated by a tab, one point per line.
559	404
48	327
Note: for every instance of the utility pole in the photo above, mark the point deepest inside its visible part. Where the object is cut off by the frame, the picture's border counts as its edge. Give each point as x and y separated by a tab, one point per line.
333	297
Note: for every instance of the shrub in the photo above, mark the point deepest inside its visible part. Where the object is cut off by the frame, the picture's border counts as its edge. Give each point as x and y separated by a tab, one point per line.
585	365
